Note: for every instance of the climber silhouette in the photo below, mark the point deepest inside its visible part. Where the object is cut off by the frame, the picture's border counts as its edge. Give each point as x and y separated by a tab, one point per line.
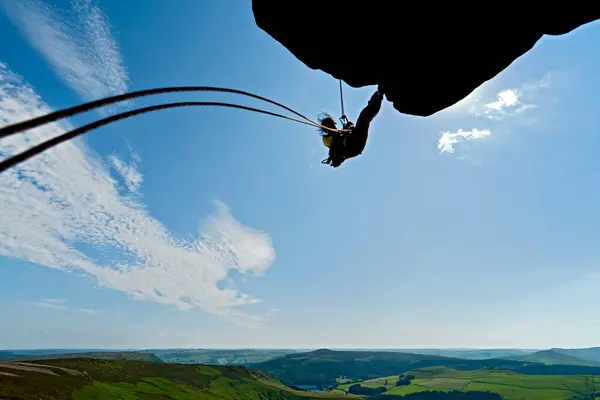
343	146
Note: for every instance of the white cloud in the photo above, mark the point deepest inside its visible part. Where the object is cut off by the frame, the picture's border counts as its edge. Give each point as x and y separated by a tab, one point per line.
512	101
54	305
506	98
449	139
63	209
78	43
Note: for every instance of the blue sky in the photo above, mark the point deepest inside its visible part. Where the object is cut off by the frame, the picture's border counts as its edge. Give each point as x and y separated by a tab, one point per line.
475	227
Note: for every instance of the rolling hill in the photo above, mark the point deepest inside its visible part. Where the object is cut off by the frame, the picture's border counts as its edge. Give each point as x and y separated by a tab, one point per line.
555	357
86	379
323	367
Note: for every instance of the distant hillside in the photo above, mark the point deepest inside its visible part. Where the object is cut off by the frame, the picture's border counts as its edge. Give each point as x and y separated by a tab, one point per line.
178	356
19	353
218	357
470	354
589	354
83	379
555	357
13	354
5	355
111	355
323	367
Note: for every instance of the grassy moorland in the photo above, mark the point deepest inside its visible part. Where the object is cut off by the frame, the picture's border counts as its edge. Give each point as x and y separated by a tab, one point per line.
98	379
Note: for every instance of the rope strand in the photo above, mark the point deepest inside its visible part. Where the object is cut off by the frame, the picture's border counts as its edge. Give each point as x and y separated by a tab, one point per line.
342	99
27	154
68	112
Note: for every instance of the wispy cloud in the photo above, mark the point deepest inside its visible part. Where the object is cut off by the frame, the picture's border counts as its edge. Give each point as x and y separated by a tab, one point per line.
57	306
54	301
77	43
63	209
504	108
449	139
133	178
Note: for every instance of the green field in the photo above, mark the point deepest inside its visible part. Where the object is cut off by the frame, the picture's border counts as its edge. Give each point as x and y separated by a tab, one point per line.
510	385
373	383
87	379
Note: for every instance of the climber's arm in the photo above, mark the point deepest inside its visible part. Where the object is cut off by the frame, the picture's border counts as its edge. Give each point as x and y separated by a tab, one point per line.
371	110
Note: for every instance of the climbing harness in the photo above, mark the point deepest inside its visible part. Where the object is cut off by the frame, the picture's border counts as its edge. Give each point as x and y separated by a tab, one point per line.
57	115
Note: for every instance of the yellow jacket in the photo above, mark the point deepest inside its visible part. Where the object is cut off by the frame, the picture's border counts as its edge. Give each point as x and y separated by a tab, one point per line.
327	140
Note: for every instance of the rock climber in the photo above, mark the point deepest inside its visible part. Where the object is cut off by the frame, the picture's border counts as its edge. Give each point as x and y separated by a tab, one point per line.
345	145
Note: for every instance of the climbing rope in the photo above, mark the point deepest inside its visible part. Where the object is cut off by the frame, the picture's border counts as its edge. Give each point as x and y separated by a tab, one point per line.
343	118
27	154
342	99
68	112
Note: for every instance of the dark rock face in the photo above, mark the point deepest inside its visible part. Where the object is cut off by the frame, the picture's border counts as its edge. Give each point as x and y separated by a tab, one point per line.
427	56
